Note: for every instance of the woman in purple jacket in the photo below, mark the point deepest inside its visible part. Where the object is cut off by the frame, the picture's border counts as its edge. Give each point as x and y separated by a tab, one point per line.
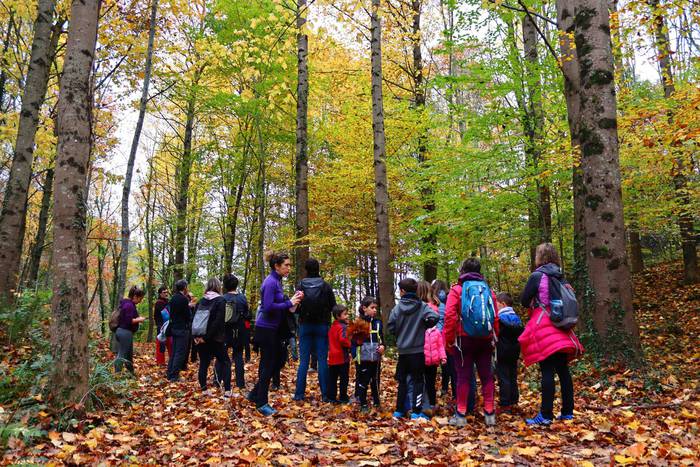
129	320
274	306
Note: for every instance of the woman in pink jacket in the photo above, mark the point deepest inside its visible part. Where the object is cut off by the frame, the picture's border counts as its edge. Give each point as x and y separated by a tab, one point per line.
543	343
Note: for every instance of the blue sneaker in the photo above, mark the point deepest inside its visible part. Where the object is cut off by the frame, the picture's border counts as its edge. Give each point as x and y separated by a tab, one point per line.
419	416
566	417
539	420
266	410
397	415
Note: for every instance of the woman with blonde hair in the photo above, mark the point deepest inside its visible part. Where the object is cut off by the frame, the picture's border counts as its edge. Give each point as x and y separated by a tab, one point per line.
544	343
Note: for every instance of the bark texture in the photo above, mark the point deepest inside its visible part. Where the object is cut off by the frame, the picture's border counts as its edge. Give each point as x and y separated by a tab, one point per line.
14	206
69	330
381	189
603	220
37	250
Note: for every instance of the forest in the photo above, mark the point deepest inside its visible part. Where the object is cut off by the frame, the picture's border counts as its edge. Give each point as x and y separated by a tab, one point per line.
147	141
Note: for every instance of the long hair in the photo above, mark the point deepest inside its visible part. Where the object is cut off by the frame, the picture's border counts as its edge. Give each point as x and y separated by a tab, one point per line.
214	285
546	253
425	293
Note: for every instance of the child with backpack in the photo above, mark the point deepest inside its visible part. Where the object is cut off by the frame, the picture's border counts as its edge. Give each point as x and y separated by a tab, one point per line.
471	326
338	356
368	348
549	338
434	346
408	321
507	353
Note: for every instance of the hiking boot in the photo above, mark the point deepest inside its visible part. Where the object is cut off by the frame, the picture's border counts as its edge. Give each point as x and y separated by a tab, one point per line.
490	418
266	410
539	420
458	420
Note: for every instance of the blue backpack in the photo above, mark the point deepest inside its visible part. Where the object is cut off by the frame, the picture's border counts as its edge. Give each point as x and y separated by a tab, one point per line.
478	311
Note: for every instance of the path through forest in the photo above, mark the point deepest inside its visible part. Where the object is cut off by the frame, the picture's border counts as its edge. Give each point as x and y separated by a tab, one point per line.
619	418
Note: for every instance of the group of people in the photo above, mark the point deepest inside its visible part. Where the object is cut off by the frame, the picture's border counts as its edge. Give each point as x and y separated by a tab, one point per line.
462	330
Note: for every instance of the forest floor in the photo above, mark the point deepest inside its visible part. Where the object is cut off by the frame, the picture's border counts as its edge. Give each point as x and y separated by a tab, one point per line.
623	417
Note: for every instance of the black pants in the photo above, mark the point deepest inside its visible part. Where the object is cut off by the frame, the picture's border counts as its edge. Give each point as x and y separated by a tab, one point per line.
335	373
244	337
414	365
269	344
237	354
367	376
222	368
430	379
556	363
448	376
178	359
507	373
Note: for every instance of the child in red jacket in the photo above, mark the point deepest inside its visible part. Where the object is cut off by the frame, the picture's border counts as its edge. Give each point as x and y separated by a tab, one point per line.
338	356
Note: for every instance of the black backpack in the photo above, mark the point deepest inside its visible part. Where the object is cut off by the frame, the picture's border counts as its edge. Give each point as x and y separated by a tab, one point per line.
234	311
315	304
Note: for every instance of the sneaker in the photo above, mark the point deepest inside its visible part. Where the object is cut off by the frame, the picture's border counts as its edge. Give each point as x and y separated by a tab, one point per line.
458	420
266	410
398	415
228	394
490	418
539	420
566	417
419	416
251	397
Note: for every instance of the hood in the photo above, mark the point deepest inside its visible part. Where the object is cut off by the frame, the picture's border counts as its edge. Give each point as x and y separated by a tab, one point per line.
409	304
551	269
312	281
211	295
471	276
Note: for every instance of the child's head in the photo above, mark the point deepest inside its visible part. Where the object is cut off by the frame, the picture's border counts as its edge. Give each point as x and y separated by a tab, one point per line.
407	285
470	265
439	286
504	299
368	307
425	293
340	313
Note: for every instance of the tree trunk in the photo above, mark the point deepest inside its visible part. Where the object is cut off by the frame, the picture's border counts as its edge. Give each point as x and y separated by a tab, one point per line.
101	254
126	230
233	222
636	257
3	64
302	168
572	85
381	189
183	176
428	239
69	330
149	237
14	206
261	207
35	260
534	131
603	213
680	166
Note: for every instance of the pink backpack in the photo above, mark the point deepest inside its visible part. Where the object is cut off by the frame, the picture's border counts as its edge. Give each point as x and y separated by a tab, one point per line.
434	347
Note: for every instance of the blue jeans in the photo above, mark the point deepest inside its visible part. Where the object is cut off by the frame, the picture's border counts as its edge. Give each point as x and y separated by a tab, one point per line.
312	336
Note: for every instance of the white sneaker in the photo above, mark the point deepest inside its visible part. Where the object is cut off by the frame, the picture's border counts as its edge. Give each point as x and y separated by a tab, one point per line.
490	419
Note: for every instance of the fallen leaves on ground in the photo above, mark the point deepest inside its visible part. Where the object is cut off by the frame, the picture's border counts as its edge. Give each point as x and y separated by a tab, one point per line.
620	418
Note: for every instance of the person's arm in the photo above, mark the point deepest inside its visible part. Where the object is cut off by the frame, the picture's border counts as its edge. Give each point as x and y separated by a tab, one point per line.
274	300
391	324
430	317
451	317
496	324
246	308
531	290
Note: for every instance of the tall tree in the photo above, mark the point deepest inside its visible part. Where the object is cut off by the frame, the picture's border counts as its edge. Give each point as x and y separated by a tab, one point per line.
302	167
69	332
381	189
681	167
40	238
603	220
126	230
13	214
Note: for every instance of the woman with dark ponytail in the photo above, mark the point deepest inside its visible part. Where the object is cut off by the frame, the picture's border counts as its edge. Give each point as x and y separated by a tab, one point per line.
273	308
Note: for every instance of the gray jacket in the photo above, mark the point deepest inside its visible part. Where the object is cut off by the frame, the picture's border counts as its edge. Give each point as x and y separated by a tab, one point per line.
408	321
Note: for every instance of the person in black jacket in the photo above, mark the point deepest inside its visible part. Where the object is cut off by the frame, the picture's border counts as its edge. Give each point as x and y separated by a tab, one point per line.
180	320
314	322
213	343
508	353
235	330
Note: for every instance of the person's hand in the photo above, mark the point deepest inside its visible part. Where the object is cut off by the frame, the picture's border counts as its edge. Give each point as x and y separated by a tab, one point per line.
140	319
380	350
198	340
297	298
443	361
